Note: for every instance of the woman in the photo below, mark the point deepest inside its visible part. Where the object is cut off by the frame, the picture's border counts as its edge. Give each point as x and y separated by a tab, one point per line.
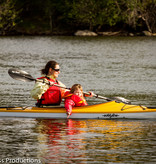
48	94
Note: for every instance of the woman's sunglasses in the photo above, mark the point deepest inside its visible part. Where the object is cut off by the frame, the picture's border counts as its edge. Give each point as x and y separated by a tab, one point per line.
57	70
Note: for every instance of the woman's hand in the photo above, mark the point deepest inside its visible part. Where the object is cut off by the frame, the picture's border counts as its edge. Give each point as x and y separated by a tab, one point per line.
51	83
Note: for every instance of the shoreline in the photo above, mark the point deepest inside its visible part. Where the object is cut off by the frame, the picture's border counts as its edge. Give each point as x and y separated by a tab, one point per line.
83	33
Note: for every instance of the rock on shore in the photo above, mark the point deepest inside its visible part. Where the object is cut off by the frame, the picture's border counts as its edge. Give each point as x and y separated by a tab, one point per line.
85	33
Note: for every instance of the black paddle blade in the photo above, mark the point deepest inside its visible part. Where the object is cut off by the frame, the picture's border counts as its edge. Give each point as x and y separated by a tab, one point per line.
20	75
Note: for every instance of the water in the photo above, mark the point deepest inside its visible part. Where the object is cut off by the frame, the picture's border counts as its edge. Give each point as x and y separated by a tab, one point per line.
78	141
109	66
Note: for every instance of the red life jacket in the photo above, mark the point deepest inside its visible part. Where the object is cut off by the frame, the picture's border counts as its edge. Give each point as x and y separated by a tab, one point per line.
52	96
79	101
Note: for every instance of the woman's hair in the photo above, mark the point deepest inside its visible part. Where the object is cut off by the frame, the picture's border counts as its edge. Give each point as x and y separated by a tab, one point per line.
50	64
75	87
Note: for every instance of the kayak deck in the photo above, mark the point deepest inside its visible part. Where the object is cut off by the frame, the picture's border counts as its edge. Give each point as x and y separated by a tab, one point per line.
110	109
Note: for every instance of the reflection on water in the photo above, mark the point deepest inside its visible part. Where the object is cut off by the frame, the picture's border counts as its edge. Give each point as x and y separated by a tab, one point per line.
80	141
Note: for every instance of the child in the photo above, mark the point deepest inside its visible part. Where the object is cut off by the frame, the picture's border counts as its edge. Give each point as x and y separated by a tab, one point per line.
74	97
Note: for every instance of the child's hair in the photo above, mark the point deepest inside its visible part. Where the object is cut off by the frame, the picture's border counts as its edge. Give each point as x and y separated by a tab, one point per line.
75	87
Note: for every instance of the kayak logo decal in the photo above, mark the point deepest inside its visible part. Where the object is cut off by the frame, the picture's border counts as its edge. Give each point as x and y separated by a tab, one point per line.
113	115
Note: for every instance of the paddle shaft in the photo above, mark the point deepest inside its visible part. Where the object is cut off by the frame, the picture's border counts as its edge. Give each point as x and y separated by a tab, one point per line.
86	93
26	77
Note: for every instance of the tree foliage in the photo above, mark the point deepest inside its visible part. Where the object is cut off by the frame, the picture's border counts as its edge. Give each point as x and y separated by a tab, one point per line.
8	16
49	16
141	13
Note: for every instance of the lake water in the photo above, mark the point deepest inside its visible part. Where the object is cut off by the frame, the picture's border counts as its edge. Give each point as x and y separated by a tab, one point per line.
108	66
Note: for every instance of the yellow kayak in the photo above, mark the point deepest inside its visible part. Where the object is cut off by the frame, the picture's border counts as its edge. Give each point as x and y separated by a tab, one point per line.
108	110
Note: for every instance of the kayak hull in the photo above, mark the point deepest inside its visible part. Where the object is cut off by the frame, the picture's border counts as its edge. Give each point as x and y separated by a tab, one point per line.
109	110
147	115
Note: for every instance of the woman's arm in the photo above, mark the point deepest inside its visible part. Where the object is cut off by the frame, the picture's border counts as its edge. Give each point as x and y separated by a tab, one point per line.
38	90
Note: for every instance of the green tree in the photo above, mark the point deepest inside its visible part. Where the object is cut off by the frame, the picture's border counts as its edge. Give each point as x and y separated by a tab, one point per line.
140	13
41	16
109	13
147	12
95	13
8	16
50	16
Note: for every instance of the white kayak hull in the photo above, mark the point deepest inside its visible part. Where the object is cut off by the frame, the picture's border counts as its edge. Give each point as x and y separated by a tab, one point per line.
147	115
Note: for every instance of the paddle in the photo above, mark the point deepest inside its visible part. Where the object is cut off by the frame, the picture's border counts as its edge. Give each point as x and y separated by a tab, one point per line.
26	77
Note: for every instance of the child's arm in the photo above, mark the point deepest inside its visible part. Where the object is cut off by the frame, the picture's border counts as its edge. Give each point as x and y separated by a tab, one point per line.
69	104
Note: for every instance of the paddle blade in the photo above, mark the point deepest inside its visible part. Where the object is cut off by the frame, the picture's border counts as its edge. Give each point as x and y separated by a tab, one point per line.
121	99
20	75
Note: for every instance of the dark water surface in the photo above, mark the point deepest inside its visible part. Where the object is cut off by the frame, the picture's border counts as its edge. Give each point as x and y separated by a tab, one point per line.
113	66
